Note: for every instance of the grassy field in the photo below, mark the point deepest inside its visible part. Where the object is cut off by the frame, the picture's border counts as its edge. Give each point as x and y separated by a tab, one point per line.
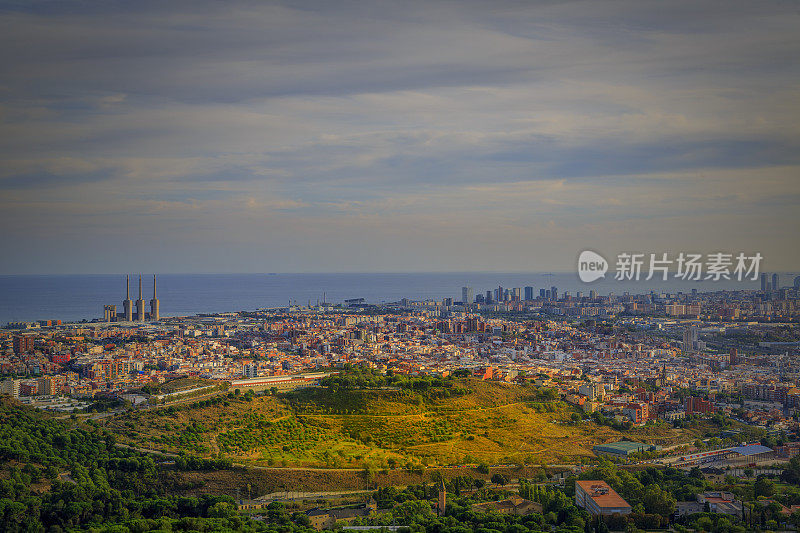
377	429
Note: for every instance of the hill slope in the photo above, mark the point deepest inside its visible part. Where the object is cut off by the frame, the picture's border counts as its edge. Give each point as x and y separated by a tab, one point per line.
472	421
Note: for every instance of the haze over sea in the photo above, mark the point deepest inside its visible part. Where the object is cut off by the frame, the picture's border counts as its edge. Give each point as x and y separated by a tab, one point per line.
78	297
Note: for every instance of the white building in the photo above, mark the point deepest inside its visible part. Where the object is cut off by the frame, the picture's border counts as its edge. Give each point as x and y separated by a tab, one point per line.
250	370
10	387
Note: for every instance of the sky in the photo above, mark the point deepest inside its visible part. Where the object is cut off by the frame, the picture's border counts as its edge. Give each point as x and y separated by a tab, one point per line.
395	136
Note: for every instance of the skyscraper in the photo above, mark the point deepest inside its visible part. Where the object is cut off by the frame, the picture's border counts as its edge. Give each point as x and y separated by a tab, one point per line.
488	298
467	295
775	282
554	293
155	312
528	293
516	294
140	303
689	339
127	303
763	282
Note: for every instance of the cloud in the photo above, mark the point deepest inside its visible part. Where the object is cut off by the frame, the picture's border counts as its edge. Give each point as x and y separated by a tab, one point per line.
422	128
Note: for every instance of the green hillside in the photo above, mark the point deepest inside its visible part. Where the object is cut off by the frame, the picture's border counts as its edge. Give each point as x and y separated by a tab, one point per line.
449	422
57	477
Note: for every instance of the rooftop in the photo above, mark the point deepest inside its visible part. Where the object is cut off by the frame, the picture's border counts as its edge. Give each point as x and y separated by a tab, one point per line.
752	449
602	494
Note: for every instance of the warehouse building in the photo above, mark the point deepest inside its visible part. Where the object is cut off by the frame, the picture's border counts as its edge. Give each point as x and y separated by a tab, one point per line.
624	448
737	455
281	383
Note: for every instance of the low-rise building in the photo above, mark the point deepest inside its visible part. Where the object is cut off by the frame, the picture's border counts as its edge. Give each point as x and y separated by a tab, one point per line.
516	506
327	518
598	498
712	502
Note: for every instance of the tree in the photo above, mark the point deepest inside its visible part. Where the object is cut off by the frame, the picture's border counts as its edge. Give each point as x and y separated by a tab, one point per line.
412	511
301	519
276	513
499	479
792	472
704	523
222	510
764	487
794	519
658	501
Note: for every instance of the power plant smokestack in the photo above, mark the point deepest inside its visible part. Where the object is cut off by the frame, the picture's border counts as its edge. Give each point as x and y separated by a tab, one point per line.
127	304
140	303
155	312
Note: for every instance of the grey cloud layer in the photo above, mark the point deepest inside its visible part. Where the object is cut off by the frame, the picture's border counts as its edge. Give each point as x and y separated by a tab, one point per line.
376	131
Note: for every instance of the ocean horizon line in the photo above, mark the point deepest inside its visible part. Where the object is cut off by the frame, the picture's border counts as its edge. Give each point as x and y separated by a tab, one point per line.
149	272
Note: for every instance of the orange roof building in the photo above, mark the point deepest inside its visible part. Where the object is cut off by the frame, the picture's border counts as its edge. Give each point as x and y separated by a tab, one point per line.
598	498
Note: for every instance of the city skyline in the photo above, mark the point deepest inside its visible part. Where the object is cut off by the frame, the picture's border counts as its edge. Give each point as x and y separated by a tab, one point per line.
394	136
417	265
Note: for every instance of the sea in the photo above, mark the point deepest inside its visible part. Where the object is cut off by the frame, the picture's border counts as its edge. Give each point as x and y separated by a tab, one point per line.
72	298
